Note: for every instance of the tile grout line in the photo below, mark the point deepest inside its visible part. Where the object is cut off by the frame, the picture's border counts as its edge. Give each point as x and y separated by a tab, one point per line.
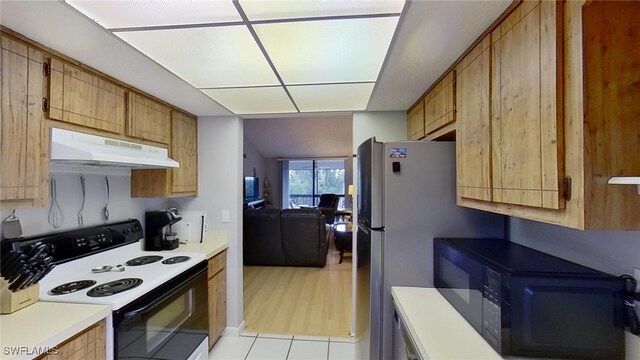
289	351
248	352
328	348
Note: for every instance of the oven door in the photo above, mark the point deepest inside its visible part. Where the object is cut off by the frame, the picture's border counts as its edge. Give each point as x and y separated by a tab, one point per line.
171	322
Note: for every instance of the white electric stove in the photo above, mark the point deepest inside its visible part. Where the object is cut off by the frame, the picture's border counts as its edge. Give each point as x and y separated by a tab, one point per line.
158	298
75	282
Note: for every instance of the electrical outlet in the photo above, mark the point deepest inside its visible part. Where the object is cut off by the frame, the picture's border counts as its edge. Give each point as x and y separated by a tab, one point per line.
636	275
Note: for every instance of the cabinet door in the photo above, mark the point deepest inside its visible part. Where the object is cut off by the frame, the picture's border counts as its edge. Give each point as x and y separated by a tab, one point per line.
442	104
415	121
473	134
78	97
148	119
527	107
184	149
90	344
23	139
217	306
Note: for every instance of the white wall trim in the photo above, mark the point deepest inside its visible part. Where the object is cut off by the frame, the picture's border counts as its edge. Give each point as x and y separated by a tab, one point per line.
234	331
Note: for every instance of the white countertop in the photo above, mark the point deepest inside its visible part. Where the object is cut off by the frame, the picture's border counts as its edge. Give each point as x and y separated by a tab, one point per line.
438	330
45	325
214	243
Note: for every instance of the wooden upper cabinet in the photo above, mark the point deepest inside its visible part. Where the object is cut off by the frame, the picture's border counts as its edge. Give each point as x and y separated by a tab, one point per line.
611	50
184	149
23	139
148	119
473	133
79	97
182	181
527	111
440	104
415	121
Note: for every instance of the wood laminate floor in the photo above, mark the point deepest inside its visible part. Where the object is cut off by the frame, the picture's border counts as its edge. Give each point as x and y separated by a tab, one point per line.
299	300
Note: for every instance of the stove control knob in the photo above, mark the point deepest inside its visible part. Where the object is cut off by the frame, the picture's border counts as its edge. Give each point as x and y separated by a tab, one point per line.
125	231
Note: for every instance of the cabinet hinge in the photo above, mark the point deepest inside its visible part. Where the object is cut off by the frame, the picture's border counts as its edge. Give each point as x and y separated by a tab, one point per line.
46	69
566	188
45	104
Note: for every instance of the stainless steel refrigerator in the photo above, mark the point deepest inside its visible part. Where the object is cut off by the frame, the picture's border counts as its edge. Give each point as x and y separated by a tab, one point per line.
406	197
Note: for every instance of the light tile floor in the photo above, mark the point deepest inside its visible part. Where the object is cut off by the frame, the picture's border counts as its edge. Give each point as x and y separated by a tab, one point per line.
252	346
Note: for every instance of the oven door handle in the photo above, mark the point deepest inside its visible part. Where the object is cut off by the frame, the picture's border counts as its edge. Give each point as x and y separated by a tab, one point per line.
137	312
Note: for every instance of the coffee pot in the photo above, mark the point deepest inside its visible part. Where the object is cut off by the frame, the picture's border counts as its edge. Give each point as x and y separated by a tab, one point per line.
157	226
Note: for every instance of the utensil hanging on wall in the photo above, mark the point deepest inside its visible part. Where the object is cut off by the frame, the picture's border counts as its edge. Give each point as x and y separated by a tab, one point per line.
11	227
56	216
84	198
106	207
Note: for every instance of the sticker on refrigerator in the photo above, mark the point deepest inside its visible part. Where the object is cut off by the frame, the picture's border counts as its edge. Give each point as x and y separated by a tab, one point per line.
398	153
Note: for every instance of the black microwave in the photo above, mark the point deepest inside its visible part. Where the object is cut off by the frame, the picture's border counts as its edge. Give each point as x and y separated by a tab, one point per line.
527	303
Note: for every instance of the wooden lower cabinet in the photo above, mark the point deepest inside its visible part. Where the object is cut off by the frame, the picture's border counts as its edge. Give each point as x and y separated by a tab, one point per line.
90	344
217	285
23	136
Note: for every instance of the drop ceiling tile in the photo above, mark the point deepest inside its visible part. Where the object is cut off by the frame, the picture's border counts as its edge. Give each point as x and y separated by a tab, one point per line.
209	57
132	13
328	51
331	97
255	100
271	10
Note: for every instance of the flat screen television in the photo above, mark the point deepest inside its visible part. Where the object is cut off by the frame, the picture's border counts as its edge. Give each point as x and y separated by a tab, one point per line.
251	188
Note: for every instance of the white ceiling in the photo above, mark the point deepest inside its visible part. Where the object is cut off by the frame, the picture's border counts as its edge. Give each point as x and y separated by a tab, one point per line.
262	46
430	36
301	136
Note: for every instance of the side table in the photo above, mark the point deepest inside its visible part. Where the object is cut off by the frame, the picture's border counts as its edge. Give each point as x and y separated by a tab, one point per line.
343	233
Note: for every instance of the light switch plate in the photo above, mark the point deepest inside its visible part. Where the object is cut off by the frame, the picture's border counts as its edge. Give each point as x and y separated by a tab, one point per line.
225	218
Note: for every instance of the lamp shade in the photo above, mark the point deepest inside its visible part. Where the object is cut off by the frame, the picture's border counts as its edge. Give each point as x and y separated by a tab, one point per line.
350	190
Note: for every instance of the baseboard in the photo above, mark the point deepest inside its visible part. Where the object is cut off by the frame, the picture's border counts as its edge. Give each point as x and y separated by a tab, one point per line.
234	331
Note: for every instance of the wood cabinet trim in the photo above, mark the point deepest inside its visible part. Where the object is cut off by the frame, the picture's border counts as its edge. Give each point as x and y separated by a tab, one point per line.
48	52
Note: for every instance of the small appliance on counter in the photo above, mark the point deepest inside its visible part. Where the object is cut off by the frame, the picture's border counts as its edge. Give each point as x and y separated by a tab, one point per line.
527	303
158	234
192	226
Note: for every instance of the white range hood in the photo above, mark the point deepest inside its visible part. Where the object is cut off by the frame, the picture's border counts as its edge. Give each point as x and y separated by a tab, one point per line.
74	148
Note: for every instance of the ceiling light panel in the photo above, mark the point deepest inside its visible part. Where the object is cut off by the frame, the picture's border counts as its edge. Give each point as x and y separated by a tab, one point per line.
256	100
331	97
208	57
328	51
276	10
146	13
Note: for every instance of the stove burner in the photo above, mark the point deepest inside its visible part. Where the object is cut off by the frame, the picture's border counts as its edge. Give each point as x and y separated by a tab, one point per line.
143	260
114	287
74	286
175	260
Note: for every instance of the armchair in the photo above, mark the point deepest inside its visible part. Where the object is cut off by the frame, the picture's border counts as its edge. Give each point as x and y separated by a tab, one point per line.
328	205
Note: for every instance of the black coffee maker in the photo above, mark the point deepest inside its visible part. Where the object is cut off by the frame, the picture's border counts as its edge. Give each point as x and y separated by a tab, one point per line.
157	229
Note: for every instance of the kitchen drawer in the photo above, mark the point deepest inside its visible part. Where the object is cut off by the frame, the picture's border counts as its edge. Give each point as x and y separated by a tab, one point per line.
217	263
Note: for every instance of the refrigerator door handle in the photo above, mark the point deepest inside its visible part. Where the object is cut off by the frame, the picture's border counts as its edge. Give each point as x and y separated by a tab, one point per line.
365	229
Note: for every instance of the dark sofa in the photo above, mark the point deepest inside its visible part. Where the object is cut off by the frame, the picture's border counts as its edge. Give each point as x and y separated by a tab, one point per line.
289	237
